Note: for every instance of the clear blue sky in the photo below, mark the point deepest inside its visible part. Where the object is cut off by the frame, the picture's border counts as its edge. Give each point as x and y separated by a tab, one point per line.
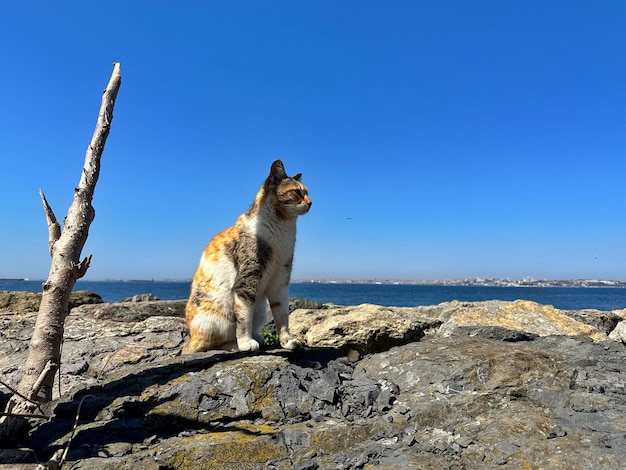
438	139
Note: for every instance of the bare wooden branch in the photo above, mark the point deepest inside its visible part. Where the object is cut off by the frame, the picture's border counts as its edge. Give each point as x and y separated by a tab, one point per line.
15	392
83	267
54	463
48	371
74	428
66	268
54	229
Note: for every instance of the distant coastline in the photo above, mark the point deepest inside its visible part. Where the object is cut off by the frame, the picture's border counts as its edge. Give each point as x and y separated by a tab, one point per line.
476	282
468	282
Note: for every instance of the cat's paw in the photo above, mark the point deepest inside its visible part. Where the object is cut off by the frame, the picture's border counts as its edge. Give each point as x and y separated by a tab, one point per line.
259	339
248	344
291	343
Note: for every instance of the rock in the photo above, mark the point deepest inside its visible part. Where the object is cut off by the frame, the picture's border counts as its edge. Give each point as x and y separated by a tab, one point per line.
619	333
372	328
84	297
457	385
17	456
602	321
520	315
365	328
250	409
19	302
133	311
524	403
95	344
27	302
297	302
140	298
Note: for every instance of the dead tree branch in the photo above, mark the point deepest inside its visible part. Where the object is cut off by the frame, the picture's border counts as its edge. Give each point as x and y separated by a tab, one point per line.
46	375
23	397
54	229
65	248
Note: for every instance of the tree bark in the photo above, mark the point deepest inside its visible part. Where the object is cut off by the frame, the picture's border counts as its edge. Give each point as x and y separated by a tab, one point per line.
65	246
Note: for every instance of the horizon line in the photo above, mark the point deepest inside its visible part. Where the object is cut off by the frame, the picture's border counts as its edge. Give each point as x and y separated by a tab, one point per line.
528	279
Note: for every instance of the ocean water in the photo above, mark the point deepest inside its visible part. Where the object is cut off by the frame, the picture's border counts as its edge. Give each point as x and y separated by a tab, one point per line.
567	298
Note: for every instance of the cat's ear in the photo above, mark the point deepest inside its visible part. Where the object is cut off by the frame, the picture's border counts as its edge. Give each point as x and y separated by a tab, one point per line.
298	177
277	172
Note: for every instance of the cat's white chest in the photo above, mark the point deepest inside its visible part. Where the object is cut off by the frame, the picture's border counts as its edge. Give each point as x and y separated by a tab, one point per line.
280	235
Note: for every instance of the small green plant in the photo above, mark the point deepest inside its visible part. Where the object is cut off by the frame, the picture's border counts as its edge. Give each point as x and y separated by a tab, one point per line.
270	337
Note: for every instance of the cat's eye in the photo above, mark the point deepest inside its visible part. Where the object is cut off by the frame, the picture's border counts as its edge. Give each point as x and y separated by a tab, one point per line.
299	193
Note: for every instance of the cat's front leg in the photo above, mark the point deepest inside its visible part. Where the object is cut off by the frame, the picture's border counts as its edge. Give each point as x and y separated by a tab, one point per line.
289	342
279	303
259	320
247	344
245	313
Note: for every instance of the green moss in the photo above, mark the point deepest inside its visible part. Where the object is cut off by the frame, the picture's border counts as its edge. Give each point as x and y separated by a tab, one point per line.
225	450
270	337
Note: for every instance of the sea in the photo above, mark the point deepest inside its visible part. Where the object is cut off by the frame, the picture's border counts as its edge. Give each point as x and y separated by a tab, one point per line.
396	295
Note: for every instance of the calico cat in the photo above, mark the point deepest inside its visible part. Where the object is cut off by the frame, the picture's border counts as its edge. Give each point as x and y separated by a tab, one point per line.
244	267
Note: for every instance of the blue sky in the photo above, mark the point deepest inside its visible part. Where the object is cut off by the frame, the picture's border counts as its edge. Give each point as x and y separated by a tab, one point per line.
442	139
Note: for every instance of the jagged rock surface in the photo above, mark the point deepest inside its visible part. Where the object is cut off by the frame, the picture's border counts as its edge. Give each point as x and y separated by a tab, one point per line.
141	298
132	311
25	302
457	385
365	328
99	339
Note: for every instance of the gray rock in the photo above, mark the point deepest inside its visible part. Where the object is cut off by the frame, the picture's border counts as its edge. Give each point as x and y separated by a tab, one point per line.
297	302
602	321
28	302
619	332
526	398
483	393
521	315
140	298
96	345
365	328
133	311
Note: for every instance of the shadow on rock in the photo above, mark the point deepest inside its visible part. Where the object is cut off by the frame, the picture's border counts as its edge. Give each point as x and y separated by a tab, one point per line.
210	392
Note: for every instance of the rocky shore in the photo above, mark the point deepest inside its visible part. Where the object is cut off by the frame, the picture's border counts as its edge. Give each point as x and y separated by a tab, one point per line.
455	385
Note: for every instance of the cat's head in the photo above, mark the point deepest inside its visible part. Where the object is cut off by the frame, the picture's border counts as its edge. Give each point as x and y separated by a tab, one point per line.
288	194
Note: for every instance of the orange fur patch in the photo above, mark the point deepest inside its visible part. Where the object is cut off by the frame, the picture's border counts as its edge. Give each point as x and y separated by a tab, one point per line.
217	245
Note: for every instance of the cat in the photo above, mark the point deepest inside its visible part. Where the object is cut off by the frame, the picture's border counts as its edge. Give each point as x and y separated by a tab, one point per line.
244	267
